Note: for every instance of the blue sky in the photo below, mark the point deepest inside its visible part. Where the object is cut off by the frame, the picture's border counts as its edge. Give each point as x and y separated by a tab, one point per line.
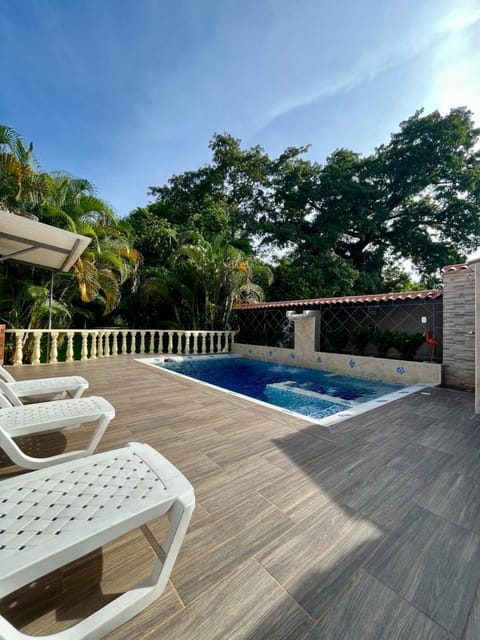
128	92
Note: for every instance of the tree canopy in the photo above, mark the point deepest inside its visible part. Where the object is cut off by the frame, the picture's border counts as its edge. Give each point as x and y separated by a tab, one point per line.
341	227
246	225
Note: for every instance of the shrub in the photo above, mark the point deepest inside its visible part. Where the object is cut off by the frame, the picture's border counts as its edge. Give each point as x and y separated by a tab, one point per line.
337	338
407	343
383	340
360	337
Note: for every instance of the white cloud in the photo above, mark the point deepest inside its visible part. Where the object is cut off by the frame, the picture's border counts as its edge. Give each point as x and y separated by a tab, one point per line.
446	35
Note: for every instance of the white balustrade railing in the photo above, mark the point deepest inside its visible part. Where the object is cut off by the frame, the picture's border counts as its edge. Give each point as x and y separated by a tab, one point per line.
33	346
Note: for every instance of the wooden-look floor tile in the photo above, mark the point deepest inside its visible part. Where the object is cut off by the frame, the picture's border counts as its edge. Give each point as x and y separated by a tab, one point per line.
248	605
455	497
472	629
433	564
270	486
368	610
193	579
383	495
209	532
316	559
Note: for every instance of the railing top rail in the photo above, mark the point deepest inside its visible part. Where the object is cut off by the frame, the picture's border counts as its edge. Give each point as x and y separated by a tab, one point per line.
120	329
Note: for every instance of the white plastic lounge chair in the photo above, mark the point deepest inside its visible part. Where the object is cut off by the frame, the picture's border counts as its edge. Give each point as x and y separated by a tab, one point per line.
45	417
45	388
51	517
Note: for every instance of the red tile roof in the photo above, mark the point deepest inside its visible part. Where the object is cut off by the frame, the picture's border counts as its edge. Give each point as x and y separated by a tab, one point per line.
450	268
429	294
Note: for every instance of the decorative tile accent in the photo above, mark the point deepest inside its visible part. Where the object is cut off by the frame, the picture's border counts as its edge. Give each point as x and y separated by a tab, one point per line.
319	359
293	356
351	364
401	370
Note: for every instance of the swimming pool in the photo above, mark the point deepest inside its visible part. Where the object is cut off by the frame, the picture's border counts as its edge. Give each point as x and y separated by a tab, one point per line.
312	393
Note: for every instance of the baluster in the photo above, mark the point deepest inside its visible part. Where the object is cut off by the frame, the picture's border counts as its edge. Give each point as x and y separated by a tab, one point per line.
170	342
115	343
133	341
18	357
195	343
182	346
187	335
93	345
70	335
106	346
100	344
124	333
204	342
36	353
142	342
54	347
84	351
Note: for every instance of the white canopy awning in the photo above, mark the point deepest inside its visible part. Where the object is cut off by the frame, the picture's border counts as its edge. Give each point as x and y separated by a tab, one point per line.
38	244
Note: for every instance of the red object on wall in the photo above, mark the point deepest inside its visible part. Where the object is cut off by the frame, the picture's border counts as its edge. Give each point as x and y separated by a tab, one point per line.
433	342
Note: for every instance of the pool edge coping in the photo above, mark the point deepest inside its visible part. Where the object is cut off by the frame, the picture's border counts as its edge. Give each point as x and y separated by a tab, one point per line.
327	422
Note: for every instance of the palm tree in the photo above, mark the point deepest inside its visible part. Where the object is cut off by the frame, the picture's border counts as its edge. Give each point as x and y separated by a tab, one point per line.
22	184
110	259
70	203
216	275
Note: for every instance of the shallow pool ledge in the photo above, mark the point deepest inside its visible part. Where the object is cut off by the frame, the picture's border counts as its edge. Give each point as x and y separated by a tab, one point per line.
400	371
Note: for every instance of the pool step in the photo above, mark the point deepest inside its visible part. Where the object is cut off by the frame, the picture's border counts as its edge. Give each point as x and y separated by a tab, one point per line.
289	387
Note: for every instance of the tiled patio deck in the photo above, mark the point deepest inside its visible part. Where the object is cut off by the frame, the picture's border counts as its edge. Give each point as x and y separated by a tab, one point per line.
369	532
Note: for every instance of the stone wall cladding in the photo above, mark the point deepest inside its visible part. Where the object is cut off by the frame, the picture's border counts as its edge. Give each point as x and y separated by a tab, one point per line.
459	328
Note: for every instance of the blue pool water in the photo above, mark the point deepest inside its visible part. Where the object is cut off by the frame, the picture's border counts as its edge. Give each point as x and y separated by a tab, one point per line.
313	393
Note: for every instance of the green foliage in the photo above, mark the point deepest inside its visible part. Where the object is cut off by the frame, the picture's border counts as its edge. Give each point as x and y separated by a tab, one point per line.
407	344
69	203
359	338
416	198
337	338
383	340
341	229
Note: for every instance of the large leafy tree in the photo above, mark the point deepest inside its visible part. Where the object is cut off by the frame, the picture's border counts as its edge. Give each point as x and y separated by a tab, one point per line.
415	198
223	197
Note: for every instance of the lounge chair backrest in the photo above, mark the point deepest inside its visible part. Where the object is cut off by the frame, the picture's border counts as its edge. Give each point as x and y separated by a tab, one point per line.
4	375
10	395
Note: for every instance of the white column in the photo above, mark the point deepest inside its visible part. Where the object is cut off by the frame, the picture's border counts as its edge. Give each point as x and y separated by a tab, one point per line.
18	357
36	353
93	345
115	343
84	351
195	342
53	347
70	335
